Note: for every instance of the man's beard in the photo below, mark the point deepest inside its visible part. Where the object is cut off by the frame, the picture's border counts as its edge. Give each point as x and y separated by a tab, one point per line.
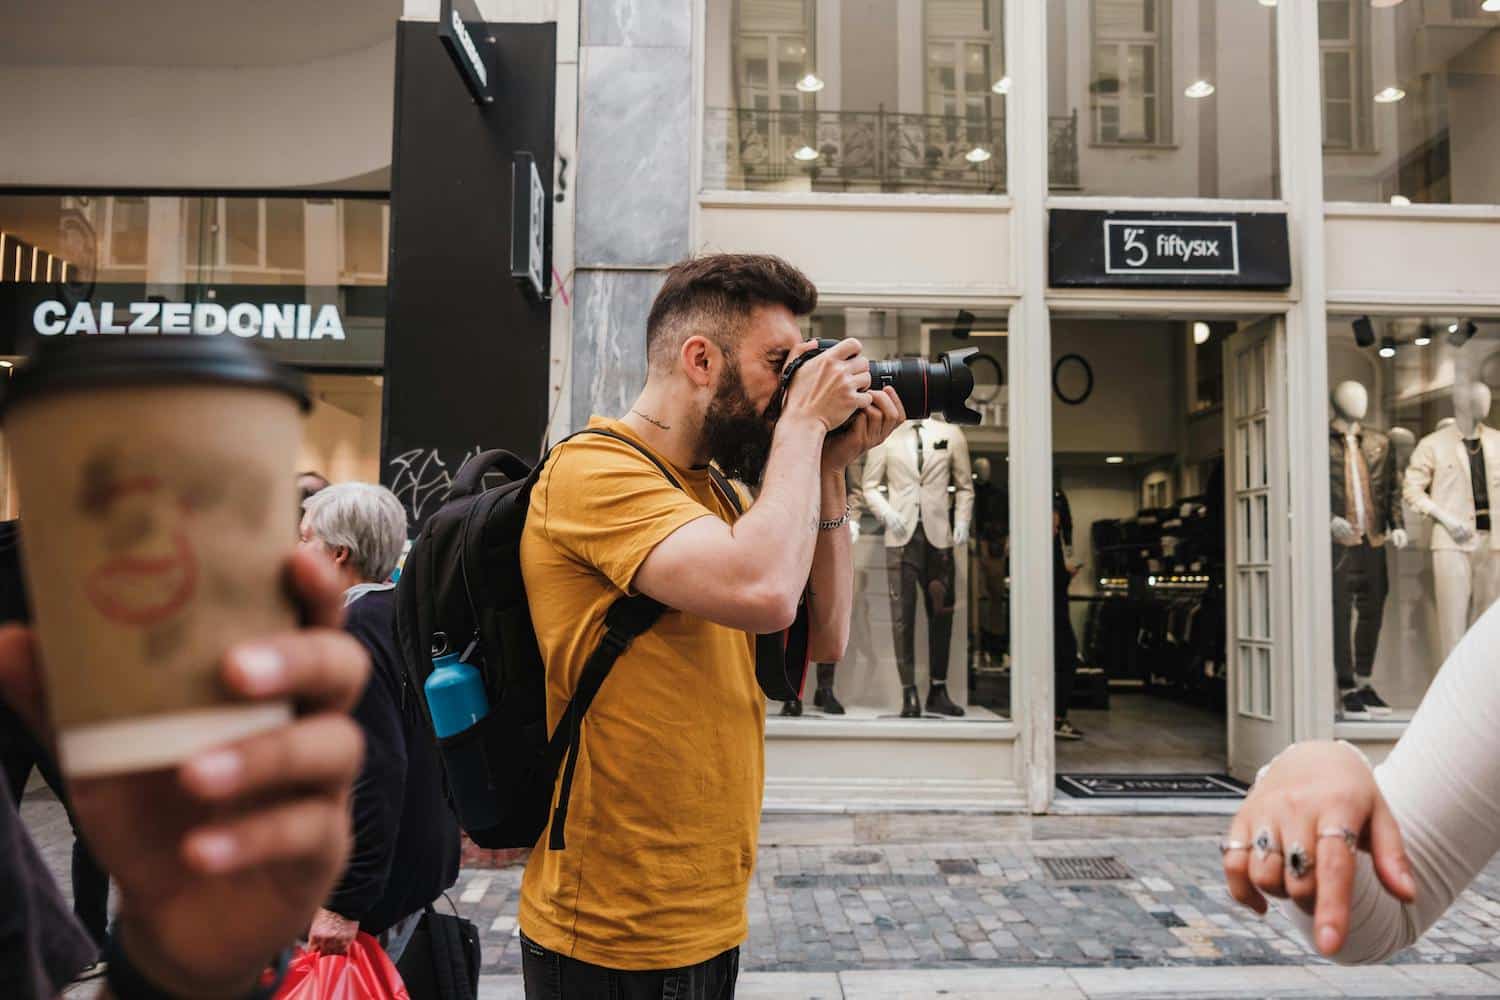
737	437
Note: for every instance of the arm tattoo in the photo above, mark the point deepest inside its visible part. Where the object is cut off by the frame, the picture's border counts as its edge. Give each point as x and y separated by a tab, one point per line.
652	420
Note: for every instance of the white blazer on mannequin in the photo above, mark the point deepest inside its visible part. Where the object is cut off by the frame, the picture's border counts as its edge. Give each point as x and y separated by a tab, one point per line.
909	496
1438	478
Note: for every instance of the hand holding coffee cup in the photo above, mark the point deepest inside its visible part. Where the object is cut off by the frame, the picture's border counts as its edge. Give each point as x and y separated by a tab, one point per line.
154	479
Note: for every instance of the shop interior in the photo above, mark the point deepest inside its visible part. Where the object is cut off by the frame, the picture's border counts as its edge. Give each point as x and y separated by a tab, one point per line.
1139	446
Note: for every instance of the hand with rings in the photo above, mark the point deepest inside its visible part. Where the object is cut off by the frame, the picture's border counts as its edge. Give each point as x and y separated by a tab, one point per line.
1298	831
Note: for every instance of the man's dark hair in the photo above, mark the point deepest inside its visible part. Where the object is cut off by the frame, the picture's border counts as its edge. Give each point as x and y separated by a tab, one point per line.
715	294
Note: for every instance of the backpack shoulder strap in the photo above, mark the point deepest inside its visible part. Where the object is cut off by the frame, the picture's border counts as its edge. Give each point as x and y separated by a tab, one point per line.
726	487
627	618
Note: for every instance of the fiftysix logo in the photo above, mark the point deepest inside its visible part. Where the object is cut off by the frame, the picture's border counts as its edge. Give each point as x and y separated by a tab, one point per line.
273	321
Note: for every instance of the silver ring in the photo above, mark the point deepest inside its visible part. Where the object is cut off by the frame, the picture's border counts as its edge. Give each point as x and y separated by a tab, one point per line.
1348	836
1298	862
1264	843
1225	846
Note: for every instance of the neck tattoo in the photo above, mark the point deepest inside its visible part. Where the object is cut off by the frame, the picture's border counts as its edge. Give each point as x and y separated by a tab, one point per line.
652	420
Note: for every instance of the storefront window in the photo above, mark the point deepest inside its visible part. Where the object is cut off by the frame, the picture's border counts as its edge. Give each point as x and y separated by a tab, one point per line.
804	95
1140	535
302	277
1409	94
1413	463
1174	98
930	633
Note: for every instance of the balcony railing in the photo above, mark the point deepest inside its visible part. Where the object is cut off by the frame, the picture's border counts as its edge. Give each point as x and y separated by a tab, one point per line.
868	151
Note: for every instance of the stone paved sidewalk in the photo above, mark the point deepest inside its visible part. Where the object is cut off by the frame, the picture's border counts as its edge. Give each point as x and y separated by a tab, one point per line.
933	895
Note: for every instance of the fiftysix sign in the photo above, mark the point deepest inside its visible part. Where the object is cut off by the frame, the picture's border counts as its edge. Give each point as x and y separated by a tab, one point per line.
270	320
1144	248
1149	246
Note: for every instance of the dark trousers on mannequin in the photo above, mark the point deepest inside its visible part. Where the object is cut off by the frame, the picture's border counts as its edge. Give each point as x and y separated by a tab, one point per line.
825	674
1359	588
920	566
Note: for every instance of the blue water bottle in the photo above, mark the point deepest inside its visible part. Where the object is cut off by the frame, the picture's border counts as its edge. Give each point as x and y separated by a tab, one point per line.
457	703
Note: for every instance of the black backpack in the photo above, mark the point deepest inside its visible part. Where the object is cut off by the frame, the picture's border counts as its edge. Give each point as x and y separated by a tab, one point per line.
461	590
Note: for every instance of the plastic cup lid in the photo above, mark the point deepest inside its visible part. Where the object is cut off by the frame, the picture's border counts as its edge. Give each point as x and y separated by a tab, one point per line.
92	362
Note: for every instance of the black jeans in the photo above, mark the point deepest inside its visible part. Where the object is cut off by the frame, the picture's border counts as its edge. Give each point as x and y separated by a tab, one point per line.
550	976
921	566
1359	588
19	754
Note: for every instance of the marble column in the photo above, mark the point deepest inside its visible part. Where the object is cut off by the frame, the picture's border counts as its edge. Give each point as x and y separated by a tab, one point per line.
635	135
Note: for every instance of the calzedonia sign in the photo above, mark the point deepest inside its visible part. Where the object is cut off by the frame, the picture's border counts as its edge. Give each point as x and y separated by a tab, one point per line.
269	320
1132	249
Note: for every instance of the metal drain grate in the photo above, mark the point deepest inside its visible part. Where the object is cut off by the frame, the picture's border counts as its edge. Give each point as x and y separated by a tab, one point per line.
957	866
1085	869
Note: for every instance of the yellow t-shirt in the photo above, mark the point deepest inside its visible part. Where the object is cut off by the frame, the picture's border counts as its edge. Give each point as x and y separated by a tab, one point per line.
665	805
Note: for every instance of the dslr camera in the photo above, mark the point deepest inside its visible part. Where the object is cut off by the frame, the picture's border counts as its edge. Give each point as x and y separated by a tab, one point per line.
924	387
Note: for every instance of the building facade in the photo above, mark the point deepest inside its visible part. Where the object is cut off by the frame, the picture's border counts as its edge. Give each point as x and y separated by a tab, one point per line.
1228	266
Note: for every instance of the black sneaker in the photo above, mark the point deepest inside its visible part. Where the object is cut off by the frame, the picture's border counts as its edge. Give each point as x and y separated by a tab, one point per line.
1352	705
1065	730
1373	702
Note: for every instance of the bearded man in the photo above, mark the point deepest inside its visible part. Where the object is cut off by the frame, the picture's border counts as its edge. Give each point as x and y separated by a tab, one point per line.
648	896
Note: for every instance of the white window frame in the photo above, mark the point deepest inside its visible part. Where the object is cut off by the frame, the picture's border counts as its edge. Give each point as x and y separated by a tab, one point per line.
1159	41
1352	48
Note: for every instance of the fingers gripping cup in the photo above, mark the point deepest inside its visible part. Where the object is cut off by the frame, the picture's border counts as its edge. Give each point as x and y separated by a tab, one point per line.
155	479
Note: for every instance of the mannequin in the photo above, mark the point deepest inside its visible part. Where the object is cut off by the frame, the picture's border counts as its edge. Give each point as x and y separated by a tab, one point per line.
917	465
1366	511
1453	476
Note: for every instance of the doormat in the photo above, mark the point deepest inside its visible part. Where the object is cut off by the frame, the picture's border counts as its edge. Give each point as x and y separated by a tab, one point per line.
1151	786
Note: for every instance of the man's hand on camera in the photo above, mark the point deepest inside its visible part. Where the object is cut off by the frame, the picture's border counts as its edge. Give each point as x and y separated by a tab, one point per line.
223	861
871	426
831	386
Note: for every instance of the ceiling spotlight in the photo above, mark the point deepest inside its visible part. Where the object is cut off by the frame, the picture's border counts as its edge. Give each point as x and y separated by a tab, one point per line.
1115	460
1490	6
1199	89
806	154
1389	95
1200	333
1462	332
1400	199
1364	331
7	364
978	155
1268	3
1002	85
1384	3
1387	348
810	84
1423	337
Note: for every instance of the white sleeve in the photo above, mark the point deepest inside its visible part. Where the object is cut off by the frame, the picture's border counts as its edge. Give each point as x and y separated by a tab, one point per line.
874	476
1442	781
1417	479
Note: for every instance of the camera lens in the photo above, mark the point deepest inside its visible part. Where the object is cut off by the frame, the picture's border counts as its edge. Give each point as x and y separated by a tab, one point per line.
928	387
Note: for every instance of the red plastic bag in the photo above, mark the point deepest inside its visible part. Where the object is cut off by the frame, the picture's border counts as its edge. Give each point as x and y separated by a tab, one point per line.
364	973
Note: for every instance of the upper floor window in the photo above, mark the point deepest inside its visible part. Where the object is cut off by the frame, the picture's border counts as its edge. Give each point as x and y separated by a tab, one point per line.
839	95
1338	44
1130	71
1174	100
1409	97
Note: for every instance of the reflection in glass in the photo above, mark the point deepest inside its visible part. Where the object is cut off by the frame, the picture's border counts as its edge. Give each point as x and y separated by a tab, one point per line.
1409	97
838	96
1177	97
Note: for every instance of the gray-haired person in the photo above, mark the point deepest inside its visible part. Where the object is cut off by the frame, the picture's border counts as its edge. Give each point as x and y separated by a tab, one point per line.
406	844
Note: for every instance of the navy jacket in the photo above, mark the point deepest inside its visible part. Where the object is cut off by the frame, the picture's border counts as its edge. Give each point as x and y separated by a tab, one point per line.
406	840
